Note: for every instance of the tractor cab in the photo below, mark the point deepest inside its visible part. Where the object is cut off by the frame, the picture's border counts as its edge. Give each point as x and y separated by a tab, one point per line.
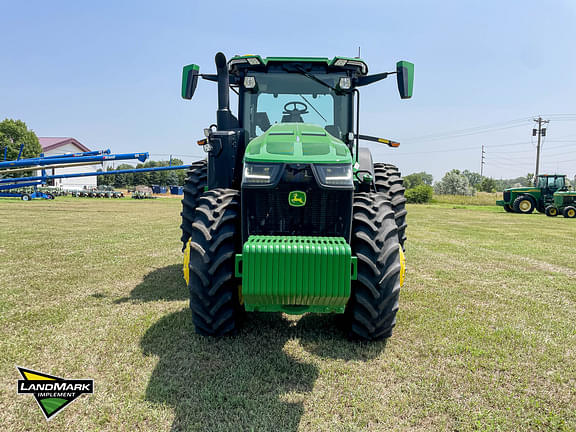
551	183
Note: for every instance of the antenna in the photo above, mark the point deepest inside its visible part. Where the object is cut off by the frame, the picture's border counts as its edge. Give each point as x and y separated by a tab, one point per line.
358	52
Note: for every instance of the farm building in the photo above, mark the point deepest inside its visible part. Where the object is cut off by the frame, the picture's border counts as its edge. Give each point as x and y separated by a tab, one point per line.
52	146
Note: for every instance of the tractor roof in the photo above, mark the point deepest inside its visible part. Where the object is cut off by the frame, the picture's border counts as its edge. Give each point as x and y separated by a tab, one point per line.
551	175
253	61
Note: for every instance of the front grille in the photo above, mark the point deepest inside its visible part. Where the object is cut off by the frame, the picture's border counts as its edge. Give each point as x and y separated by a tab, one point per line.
267	211
507	196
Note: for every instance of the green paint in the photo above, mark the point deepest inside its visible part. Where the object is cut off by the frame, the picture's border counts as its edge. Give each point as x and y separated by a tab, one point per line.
297	143
564	199
296	274
53	404
186	71
297	198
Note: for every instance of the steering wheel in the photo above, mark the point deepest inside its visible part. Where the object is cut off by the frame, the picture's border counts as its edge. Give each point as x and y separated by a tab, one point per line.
295	110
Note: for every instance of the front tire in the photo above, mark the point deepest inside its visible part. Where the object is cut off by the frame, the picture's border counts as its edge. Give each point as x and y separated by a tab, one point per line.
551	211
193	188
524	204
569	212
389	181
371	310
214	240
508	208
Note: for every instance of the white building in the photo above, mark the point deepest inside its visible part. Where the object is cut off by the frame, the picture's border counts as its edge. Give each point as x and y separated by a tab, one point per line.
53	146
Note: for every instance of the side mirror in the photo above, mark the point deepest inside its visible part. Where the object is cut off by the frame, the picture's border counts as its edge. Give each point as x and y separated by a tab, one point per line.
189	80
405	76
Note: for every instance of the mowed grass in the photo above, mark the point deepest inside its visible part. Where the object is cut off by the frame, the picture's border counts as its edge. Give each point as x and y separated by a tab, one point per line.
486	334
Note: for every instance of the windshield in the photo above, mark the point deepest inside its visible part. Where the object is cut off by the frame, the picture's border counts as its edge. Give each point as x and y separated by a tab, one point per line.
551	182
291	97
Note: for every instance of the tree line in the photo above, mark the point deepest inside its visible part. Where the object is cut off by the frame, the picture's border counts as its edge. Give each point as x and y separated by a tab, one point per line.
162	178
421	186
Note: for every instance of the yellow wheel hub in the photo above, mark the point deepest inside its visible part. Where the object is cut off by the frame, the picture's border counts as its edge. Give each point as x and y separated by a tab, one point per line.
525	205
402	267
571	213
185	266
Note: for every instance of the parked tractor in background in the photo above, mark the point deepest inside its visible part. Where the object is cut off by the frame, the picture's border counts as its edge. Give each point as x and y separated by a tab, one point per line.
288	213
527	199
564	204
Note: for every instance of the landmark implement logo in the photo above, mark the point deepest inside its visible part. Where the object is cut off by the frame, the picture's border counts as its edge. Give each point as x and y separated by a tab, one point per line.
52	393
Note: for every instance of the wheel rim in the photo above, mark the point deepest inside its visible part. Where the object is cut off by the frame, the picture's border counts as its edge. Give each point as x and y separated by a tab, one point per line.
571	213
525	205
553	212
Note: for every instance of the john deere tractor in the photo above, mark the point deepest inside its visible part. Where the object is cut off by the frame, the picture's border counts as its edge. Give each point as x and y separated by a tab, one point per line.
564	204
527	199
288	213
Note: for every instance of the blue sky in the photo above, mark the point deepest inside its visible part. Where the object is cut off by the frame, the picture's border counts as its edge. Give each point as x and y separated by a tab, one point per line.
108	73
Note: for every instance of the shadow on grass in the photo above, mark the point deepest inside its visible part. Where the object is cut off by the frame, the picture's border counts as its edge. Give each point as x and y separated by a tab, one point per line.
245	382
165	283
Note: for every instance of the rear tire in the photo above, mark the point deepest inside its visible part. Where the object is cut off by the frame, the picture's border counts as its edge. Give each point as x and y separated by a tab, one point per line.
25	197
524	204
569	212
193	188
389	181
551	211
371	310
214	240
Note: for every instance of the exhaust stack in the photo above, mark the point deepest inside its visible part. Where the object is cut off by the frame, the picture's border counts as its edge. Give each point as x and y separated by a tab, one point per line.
224	118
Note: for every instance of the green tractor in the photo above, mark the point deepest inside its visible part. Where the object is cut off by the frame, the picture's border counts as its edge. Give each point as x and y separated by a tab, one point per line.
527	199
564	204
288	213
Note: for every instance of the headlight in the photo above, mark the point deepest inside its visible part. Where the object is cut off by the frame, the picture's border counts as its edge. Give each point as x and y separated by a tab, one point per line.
334	175
260	174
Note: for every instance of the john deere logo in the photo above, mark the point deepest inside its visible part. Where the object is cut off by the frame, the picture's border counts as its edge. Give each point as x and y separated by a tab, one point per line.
52	393
297	199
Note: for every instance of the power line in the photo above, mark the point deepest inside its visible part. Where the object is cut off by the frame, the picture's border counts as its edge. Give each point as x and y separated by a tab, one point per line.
540	132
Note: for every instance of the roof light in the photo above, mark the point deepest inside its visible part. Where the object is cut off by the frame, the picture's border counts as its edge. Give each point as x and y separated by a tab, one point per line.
249	82
253	60
237	61
345	83
340	62
362	65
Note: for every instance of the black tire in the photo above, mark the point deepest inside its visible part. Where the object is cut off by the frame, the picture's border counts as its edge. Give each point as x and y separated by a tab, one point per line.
371	310
196	178
214	240
524	204
389	181
25	197
508	208
551	211
569	212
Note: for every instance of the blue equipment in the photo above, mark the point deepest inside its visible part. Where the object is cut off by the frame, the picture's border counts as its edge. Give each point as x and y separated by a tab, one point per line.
73	159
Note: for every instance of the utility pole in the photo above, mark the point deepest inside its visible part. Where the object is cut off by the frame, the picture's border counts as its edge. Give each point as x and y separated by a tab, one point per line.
540	132
482	161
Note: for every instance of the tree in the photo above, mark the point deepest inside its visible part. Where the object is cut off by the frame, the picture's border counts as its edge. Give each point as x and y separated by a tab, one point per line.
13	133
417	179
529	179
474	179
453	183
487	185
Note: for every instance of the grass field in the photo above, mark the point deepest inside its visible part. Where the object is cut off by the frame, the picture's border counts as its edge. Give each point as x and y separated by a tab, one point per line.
486	334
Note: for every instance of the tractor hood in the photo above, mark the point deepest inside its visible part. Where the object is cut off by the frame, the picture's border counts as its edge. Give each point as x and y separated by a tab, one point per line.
297	143
523	189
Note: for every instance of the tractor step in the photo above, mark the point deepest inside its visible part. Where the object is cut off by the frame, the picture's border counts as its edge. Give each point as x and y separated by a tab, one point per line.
296	274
